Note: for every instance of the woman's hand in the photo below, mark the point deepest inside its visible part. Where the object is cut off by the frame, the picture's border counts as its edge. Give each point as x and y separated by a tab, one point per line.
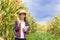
24	30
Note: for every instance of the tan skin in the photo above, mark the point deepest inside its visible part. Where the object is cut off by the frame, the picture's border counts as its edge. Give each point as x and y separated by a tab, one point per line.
22	16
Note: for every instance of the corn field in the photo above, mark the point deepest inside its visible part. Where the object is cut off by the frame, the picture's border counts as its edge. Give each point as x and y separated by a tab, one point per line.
9	10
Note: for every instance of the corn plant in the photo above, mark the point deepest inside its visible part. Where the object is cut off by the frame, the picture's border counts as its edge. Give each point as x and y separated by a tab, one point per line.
9	10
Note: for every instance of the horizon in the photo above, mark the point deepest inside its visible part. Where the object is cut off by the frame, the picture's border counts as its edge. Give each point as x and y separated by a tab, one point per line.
43	10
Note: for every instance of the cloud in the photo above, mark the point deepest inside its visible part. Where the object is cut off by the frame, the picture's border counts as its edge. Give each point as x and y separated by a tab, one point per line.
43	10
45	20
57	7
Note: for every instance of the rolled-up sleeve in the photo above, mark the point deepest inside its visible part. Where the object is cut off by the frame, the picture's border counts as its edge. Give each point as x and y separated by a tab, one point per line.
16	27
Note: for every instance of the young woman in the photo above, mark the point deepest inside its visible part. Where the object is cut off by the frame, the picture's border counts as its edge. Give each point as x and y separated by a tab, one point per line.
21	27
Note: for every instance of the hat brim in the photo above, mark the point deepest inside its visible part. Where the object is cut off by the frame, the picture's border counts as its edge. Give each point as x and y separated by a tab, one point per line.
22	13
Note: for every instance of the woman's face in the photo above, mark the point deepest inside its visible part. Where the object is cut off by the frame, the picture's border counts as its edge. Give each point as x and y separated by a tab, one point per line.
22	16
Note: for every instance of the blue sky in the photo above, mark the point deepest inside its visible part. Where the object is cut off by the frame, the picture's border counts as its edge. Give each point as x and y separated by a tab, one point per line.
43	10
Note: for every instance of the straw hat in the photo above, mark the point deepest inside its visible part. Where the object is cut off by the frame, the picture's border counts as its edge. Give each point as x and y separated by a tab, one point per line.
22	12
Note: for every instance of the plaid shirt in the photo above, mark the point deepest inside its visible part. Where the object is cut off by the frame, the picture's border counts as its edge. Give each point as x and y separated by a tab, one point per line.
18	30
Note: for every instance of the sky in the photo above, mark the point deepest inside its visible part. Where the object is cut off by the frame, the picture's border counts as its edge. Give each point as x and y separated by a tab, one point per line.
43	11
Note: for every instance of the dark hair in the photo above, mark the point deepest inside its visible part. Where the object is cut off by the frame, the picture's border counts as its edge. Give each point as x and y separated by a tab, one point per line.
26	22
